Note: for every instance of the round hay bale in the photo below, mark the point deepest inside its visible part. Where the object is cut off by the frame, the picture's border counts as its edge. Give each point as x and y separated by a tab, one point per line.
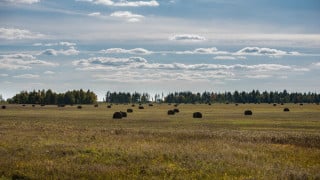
3	107
141	107
79	107
286	109
197	115
96	105
129	110
176	110
109	106
123	114
171	112
248	112
117	115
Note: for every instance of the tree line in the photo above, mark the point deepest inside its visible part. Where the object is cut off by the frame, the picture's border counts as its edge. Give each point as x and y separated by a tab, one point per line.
89	97
126	97
255	96
50	97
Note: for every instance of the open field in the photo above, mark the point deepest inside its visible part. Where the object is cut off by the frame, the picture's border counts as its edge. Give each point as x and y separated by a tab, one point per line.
69	143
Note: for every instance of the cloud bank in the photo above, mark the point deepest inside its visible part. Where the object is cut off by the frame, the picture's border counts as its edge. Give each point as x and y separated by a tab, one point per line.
12	33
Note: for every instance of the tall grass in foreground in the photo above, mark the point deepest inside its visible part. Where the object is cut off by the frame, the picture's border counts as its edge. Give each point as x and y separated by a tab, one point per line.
69	143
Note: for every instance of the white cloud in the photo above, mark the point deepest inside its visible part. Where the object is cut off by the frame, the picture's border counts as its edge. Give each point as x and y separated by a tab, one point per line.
127	15
23	1
212	50
62	43
68	52
27	76
49	72
95	14
4	75
138	69
139	51
257	51
187	37
123	3
224	58
11	33
229	57
22	61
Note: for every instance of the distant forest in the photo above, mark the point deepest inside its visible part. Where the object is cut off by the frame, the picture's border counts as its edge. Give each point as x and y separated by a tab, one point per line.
50	97
254	96
89	97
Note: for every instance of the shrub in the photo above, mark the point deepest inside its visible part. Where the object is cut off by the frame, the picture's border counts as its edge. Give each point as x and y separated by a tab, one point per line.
42	105
248	112
61	105
197	115
109	106
23	105
236	104
96	105
79	107
176	105
286	110
141	107
171	112
3	107
33	105
274	104
209	104
176	110
117	115
123	114
301	104
133	105
150	104
129	111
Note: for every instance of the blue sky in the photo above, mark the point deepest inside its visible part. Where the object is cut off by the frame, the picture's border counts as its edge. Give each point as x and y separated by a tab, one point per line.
159	46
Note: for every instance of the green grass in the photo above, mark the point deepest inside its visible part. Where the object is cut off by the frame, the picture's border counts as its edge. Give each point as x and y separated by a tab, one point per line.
69	143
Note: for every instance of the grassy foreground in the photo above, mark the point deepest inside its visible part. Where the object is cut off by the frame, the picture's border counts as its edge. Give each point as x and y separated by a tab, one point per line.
69	143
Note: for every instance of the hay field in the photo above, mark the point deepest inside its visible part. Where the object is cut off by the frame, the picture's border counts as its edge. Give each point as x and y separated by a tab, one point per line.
69	143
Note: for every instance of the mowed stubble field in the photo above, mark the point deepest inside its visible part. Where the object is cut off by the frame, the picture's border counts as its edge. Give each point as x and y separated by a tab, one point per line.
69	143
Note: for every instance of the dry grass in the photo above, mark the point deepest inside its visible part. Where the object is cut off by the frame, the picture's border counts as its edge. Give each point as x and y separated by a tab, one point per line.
69	143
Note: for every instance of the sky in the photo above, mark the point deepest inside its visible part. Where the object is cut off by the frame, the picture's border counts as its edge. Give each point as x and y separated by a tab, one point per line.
159	46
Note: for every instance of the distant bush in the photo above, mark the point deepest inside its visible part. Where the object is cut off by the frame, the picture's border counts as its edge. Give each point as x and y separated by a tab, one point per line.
129	110
96	105
79	107
176	110
61	105
3	107
150	104
33	105
248	112
109	106
197	115
141	107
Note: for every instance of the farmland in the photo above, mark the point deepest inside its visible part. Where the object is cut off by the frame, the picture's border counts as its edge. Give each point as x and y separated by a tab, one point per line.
50	142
